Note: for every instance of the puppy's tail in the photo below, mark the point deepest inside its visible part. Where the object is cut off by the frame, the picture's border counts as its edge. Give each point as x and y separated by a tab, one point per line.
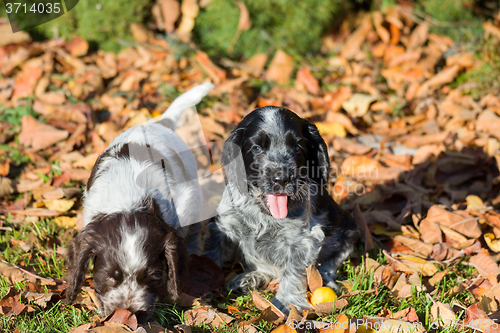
186	100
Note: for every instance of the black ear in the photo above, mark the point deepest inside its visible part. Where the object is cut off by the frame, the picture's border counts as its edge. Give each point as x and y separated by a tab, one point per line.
78	255
177	258
317	155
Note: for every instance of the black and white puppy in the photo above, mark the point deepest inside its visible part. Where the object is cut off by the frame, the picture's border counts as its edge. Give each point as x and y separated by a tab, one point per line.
133	232
286	220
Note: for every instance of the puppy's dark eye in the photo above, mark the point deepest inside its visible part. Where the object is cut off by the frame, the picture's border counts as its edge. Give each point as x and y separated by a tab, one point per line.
296	148
156	276
256	149
110	280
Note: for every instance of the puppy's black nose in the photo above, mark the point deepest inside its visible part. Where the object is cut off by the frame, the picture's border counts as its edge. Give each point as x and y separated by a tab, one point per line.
281	180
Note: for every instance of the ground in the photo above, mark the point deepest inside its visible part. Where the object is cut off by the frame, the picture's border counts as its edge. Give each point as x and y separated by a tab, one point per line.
411	119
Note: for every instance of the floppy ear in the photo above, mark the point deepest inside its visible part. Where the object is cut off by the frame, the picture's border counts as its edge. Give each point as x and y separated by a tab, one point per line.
177	261
78	256
232	159
317	151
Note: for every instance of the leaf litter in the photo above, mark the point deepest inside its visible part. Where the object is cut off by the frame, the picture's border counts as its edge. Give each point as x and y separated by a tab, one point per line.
416	160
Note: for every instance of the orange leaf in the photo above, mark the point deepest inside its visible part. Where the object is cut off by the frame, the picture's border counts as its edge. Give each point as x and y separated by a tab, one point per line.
281	68
39	135
314	279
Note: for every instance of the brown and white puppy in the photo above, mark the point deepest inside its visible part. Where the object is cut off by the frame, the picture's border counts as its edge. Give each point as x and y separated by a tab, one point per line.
142	205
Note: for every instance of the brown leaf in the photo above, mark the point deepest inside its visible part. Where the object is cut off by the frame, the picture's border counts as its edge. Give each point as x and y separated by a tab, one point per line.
314	279
280	69
8	37
464	224
477	318
207	315
140	33
205	276
261	303
39	135
14	274
488	122
381	273
329	307
25	82
354	42
40	299
77	47
419	36
443	314
171	12
431	233
189	10
415	244
244	23
6	186
216	74
447	75
381	31
124	317
486	266
11	306
365	232
306	79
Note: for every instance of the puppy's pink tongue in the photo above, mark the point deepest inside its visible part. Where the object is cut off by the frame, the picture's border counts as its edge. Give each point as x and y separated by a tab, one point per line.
278	205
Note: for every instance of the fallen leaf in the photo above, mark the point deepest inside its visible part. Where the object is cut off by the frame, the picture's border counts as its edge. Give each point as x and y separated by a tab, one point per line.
486	266
314	279
331	129
329	307
358	105
124	317
419	36
261	303
280	69
467	226
77	47
415	244
11	306
39	135
447	75
353	43
170	10
14	274
207	315
65	222
59	205
307	80
442	314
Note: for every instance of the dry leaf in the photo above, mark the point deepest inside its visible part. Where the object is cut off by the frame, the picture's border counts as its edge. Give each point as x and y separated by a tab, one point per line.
486	266
331	129
170	10
65	222
39	135
59	205
207	315
358	104
314	279
467	226
447	75
307	80
442	314
244	23
77	47
280	69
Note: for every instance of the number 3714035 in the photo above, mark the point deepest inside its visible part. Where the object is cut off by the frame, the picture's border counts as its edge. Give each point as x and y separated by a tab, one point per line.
42	8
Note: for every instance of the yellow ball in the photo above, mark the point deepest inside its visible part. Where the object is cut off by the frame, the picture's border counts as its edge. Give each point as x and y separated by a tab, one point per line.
323	295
